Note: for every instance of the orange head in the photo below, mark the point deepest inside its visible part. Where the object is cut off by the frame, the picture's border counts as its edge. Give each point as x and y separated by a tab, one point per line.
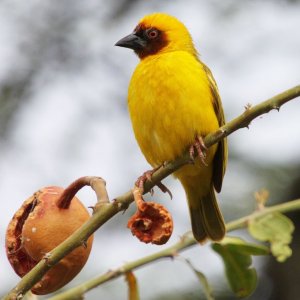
158	33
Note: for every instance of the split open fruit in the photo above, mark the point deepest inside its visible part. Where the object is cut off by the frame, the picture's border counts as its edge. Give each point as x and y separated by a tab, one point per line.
38	227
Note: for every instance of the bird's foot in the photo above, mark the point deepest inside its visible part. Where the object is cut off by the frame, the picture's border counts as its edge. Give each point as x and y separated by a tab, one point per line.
143	178
148	176
198	148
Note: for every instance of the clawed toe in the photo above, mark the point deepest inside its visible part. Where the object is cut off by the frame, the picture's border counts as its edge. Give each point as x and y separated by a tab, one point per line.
147	176
200	149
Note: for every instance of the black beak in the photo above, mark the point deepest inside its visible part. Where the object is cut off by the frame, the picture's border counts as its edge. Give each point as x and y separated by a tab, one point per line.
131	41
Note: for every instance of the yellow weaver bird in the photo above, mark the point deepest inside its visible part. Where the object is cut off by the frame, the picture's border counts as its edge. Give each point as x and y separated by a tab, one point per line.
173	102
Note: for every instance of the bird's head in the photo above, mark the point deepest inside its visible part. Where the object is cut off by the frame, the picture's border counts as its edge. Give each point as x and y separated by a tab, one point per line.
158	33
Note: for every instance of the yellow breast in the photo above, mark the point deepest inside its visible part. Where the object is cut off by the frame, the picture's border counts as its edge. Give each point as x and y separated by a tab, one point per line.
169	102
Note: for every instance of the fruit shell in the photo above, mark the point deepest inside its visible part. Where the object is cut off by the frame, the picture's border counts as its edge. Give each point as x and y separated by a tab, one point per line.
38	227
152	223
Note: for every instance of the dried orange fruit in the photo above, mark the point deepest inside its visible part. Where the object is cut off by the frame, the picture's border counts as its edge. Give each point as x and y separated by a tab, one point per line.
152	223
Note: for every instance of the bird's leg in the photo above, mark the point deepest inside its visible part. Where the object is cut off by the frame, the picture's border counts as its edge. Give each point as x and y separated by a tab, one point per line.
199	147
148	176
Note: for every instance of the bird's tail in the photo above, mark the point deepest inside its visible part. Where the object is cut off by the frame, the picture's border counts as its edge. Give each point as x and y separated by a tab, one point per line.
207	220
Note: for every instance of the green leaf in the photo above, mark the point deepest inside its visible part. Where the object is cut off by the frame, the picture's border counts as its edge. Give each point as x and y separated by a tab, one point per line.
236	255
203	280
237	244
277	229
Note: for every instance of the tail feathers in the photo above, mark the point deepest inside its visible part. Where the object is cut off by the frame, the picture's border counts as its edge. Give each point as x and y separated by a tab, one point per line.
198	226
206	217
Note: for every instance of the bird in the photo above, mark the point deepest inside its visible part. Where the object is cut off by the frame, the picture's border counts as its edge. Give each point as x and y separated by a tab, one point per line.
173	102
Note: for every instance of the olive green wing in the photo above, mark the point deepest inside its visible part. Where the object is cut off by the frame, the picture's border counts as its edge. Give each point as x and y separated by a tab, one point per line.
220	159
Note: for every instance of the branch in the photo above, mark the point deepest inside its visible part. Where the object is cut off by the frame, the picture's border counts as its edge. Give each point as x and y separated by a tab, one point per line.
107	211
186	241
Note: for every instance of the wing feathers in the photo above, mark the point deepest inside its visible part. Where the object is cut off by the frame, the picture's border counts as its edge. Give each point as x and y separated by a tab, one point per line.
220	159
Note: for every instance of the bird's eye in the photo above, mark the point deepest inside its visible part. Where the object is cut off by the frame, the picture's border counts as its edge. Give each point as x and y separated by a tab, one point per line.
152	33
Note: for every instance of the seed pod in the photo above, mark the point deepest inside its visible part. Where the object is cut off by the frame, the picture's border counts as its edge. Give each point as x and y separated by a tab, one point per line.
39	226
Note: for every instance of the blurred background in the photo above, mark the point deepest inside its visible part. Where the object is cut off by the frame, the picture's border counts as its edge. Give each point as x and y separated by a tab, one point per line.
63	115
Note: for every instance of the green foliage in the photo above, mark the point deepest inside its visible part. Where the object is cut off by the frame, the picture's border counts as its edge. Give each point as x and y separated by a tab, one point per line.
276	229
236	255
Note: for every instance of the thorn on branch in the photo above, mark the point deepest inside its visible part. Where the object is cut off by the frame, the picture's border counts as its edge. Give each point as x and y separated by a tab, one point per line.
121	206
247	106
175	254
248	125
221	133
84	244
46	258
261	198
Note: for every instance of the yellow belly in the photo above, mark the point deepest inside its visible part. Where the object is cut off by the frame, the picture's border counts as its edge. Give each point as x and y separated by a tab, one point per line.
169	102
